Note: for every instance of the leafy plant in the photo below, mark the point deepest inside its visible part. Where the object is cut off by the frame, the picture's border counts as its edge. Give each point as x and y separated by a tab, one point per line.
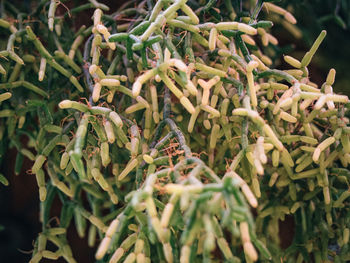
171	137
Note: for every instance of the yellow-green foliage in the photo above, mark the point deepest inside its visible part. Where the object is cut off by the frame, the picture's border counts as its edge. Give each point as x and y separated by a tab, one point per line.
171	119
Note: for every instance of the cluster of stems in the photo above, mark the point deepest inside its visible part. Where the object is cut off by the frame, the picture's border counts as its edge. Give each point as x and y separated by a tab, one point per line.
170	137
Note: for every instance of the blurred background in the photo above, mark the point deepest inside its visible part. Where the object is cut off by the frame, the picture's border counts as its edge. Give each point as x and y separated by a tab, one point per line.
19	202
313	16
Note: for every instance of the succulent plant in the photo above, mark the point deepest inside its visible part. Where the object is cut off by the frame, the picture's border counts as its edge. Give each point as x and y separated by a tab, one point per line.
168	136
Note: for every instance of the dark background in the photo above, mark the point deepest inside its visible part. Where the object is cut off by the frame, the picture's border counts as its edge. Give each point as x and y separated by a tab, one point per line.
19	202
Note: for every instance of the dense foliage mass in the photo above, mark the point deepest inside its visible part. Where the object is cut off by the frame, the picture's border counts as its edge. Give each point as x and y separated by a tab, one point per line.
168	136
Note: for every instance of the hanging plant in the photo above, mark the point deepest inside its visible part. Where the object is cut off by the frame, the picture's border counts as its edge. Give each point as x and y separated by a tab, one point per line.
168	136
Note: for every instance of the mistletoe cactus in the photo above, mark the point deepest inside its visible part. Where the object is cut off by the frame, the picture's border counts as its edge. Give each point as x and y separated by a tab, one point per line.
168	135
